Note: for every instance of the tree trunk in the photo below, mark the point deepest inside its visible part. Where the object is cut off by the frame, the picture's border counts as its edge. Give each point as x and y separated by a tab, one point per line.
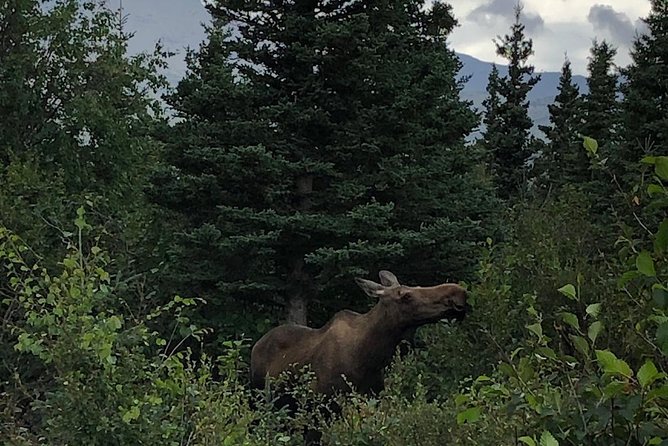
299	282
298	297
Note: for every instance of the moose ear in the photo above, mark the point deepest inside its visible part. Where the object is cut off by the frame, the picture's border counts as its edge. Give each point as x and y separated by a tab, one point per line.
388	279
372	289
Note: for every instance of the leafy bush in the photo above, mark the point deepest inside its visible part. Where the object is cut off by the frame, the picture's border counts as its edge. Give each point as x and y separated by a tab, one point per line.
83	372
592	372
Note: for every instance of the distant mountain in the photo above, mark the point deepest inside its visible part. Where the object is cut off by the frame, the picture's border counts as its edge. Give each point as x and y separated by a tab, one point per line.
178	24
540	96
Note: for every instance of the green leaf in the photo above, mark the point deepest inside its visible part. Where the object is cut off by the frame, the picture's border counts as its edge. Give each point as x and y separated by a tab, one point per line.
536	328
568	290
525	369
115	323
647	374
648	160
662	337
461	399
593	310
654	189
470	415
533	402
661	393
70	263
131	414
645	264
590	144
571	320
661	167
612	365
613	389
594	330
661	238
547	439
507	370
606	359
627	277
581	344
547	352
528	441
660	296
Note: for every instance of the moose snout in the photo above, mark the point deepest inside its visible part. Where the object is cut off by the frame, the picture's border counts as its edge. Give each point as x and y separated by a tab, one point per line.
459	300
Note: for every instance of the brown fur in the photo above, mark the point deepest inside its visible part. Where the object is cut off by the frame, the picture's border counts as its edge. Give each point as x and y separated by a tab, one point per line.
357	346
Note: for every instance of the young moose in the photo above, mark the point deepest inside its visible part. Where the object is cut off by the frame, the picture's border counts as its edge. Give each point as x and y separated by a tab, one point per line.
357	346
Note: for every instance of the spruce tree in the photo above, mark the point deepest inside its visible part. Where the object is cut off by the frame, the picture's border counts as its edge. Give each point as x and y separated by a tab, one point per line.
494	134
320	141
601	118
511	125
564	161
645	92
601	121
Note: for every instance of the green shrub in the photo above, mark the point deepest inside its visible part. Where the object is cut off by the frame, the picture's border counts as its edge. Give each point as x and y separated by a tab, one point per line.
83	372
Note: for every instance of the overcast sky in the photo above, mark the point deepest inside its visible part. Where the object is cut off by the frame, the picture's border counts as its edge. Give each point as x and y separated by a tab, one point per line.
557	27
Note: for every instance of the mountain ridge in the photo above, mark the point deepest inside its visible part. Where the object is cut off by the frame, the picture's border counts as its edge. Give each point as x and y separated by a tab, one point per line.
543	93
178	24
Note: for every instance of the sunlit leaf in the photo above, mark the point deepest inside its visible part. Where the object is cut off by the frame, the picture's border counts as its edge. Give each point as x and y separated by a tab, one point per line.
470	415
593	309
590	144
571	320
647	374
661	167
594	330
654	189
547	439
546	352
528	441
537	329
612	365
645	264
568	291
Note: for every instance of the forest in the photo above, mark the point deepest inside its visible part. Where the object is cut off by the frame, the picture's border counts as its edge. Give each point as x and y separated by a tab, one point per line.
150	234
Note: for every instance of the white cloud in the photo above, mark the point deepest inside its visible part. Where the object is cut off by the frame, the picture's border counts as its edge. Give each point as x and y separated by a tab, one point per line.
566	28
557	27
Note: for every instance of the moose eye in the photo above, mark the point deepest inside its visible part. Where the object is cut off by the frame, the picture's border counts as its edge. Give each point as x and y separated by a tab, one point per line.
405	296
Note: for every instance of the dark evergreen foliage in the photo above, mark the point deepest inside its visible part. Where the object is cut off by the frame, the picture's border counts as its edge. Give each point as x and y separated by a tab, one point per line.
507	135
314	141
645	91
318	141
601	118
494	134
564	161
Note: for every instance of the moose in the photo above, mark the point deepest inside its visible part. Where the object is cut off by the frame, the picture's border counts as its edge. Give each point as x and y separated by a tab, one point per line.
352	348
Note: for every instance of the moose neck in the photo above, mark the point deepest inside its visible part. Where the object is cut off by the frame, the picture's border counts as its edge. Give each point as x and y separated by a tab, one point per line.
383	332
